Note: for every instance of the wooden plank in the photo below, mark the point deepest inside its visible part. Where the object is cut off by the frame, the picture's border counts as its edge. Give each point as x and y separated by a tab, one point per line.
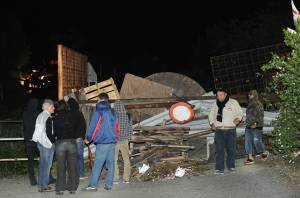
173	146
189	136
111	95
115	88
176	158
159	128
137	87
139	139
148	105
95	93
98	85
60	72
145	155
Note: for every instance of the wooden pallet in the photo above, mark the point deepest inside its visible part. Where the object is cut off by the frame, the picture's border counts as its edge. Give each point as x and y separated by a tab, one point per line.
107	86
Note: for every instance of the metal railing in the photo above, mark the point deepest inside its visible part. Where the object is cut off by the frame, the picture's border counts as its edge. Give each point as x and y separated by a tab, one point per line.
12	139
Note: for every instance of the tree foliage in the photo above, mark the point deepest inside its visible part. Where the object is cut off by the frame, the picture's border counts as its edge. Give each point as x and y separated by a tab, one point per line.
286	81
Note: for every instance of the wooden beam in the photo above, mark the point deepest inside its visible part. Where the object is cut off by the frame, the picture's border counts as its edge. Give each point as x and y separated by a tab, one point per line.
189	136
176	158
99	85
173	146
159	128
145	155
60	72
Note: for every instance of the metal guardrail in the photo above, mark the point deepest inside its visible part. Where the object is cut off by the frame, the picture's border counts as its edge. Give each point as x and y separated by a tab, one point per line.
11	121
10	139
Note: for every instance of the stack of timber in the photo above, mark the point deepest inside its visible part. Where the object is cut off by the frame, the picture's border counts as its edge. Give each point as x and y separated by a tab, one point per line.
156	144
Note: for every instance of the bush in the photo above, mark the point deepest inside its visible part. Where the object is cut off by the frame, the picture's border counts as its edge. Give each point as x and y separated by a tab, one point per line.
286	81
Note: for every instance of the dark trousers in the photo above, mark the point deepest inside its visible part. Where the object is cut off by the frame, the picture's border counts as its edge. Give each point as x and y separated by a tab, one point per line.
225	140
66	156
31	149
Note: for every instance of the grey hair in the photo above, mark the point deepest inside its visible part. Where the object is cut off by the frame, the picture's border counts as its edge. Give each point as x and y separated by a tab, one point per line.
47	103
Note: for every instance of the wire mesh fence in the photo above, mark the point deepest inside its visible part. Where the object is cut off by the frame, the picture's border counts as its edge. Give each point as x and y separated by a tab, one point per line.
240	72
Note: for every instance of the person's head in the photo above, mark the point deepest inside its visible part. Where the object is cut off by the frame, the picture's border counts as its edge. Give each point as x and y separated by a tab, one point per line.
48	105
73	104
103	97
32	104
253	95
221	94
61	106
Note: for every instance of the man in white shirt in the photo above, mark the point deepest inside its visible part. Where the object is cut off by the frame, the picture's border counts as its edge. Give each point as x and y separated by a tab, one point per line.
44	145
225	115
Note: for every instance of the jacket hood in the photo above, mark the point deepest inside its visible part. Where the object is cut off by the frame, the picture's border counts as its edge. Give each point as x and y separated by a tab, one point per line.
254	93
32	105
103	105
73	104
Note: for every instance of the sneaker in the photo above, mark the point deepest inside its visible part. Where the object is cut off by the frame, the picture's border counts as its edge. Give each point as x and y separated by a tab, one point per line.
107	188
218	172
116	182
125	182
59	192
48	189
265	155
249	161
90	188
232	170
72	192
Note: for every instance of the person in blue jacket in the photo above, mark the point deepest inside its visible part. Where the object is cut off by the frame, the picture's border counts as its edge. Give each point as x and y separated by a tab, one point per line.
103	132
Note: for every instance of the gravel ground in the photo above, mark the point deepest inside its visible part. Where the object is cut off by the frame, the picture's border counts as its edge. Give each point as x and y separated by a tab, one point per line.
256	181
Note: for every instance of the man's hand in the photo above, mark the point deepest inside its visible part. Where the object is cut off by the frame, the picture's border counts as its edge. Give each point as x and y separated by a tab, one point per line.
236	121
253	126
86	142
213	127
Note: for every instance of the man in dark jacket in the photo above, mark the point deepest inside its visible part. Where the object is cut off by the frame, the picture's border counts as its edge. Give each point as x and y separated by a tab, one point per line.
103	132
80	129
254	127
60	130
30	114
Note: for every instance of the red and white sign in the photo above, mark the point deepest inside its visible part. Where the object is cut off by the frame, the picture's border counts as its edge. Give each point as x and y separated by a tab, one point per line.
181	113
296	13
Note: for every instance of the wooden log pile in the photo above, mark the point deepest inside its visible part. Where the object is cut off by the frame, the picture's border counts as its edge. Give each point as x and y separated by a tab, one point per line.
157	144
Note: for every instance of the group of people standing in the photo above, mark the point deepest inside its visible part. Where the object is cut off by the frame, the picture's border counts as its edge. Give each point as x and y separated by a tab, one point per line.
60	129
224	117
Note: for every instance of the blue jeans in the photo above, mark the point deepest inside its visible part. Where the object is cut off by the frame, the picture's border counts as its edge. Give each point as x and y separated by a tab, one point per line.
254	136
105	155
46	157
225	139
80	160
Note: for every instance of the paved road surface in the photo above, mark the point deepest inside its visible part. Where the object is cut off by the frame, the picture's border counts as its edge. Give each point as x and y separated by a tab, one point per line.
257	181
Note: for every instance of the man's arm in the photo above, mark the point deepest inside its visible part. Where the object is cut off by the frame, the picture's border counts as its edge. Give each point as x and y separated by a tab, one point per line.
212	117
92	126
239	113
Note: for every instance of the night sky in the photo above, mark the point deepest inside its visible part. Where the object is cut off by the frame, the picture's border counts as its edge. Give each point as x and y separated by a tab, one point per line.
140	38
